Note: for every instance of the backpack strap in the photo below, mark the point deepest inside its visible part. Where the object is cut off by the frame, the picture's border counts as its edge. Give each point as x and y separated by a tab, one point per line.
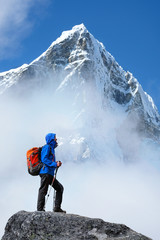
51	150
52	153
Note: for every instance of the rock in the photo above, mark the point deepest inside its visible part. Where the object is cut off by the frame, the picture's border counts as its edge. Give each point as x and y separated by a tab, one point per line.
48	225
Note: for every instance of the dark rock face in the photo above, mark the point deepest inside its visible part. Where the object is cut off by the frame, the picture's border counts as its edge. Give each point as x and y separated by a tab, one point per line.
48	225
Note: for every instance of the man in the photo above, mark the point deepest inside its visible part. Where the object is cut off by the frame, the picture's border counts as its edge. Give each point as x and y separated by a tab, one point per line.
47	174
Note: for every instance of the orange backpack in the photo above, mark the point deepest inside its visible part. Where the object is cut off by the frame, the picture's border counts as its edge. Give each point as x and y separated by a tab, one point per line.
34	160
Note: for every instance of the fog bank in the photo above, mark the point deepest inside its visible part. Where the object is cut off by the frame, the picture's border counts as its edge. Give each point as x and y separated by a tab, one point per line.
98	180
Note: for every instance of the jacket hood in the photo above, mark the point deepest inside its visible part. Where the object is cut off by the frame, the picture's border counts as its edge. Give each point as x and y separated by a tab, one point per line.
50	138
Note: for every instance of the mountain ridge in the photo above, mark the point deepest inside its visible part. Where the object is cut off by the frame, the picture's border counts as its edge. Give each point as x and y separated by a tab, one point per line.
107	58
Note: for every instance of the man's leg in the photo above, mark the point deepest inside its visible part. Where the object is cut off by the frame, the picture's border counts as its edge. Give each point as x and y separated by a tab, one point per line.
45	181
59	194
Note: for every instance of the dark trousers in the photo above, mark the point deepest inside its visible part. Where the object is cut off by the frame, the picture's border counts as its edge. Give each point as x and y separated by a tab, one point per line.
46	180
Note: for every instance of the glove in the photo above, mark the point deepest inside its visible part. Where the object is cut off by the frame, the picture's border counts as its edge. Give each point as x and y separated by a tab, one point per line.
59	164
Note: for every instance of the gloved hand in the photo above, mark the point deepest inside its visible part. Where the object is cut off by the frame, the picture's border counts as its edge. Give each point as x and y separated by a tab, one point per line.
59	164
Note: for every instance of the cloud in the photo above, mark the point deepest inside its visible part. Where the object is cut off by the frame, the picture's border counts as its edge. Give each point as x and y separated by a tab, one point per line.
103	187
16	22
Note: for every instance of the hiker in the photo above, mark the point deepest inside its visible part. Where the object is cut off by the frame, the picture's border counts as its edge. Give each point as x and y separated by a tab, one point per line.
47	174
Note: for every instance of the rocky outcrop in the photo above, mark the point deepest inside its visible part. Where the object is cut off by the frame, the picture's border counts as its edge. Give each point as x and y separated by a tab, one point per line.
48	225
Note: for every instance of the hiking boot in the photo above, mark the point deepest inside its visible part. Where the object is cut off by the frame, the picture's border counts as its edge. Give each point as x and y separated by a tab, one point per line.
58	209
43	210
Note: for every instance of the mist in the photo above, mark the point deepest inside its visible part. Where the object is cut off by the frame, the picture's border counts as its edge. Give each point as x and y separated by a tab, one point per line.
98	180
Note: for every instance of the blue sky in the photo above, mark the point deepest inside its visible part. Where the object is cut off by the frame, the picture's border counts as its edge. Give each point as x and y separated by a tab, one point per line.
129	30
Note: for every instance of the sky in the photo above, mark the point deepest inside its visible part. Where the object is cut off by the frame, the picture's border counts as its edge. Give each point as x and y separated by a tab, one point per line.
129	30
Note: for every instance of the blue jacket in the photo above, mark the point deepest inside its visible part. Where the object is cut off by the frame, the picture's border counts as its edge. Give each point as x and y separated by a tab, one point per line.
48	155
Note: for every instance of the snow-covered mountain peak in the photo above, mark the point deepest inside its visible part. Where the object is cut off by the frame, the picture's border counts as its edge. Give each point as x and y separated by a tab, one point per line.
68	34
78	63
77	28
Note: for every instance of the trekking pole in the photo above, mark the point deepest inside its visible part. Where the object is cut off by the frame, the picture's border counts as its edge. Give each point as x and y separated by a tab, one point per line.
51	186
54	199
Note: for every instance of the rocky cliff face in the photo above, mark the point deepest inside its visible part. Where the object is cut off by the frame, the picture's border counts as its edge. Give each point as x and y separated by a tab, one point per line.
48	225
